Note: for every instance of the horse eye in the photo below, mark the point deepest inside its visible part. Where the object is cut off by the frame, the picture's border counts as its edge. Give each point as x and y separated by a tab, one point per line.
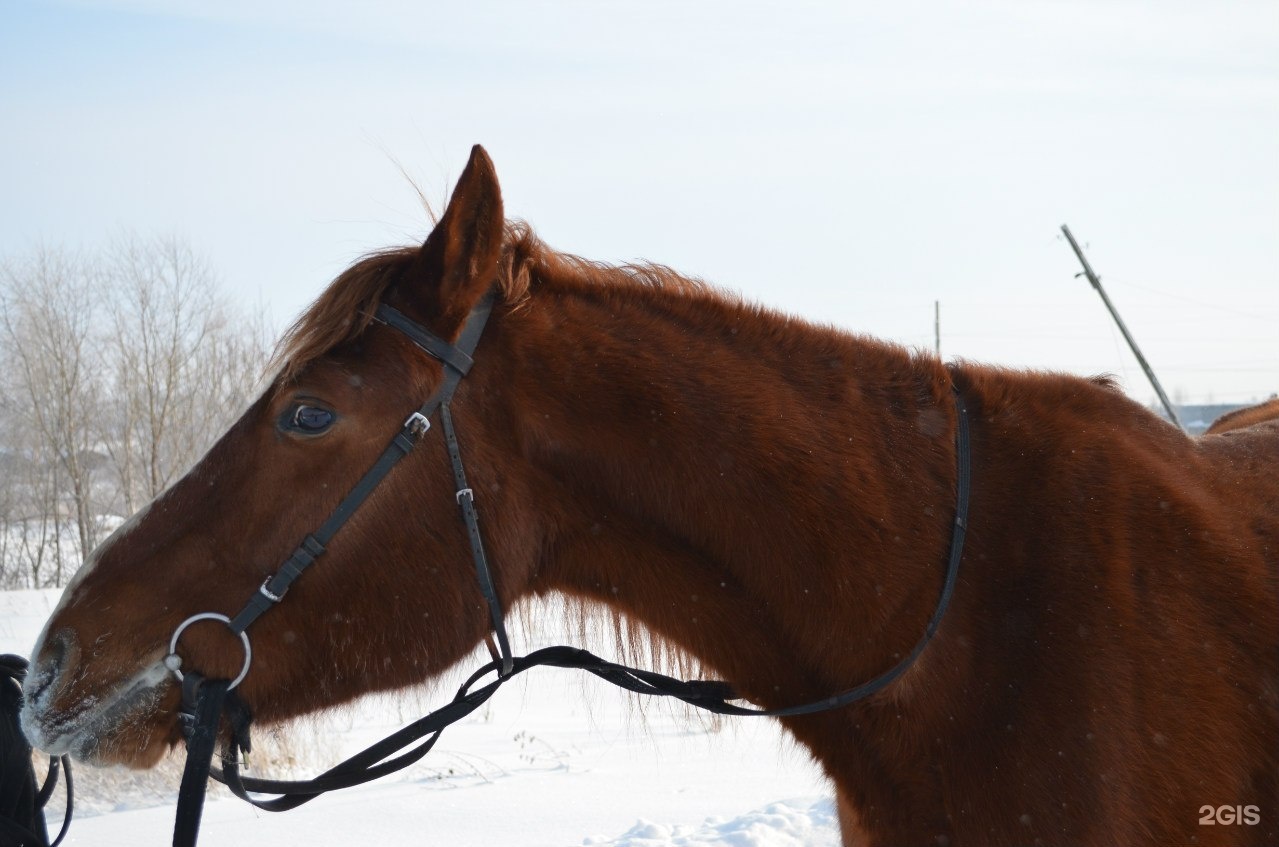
311	419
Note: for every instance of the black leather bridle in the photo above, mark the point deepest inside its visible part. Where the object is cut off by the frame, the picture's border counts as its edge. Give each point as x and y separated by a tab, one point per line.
205	701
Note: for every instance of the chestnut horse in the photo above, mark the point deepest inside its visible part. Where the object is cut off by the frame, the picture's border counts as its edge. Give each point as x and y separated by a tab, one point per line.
1245	417
771	497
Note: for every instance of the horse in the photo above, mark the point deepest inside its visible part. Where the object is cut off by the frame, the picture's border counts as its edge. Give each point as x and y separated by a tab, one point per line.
1245	417
772	498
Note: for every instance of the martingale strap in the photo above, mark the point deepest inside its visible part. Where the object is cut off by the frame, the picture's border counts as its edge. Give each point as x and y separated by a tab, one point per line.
204	706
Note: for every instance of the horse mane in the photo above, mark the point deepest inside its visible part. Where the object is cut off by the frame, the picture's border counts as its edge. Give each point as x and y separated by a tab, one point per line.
344	310
526	258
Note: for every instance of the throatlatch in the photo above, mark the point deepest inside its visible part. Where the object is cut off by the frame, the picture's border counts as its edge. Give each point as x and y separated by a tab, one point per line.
206	702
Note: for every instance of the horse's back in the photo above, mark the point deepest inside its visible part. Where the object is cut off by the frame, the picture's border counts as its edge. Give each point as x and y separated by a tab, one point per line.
1245	462
1246	417
1244	465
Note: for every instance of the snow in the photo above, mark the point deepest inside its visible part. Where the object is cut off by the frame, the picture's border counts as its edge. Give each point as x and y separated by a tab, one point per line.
555	758
778	824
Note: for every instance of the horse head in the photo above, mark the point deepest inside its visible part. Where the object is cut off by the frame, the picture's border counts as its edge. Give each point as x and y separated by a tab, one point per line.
394	599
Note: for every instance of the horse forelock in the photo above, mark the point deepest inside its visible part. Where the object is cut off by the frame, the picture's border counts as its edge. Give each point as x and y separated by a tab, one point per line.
342	311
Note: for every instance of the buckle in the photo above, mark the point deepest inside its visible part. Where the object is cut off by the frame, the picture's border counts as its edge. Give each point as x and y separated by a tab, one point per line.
417	424
268	593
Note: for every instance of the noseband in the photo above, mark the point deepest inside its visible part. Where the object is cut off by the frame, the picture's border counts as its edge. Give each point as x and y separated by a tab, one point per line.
206	701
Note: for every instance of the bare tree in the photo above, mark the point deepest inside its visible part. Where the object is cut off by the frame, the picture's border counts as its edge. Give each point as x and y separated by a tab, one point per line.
11	575
230	372
32	516
30	519
182	365
52	370
116	374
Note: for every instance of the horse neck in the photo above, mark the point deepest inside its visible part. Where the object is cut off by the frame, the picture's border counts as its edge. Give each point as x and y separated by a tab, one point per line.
772	498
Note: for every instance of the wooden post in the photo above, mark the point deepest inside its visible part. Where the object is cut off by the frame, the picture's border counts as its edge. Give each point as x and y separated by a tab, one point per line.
937	326
1145	366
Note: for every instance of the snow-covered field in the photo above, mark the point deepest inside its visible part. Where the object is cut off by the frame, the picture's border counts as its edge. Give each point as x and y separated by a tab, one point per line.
554	759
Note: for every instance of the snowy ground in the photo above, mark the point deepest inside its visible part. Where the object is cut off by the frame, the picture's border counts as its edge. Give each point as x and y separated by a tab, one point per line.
553	760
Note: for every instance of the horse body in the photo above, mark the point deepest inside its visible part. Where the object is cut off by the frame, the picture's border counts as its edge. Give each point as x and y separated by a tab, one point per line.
1129	575
772	498
1245	417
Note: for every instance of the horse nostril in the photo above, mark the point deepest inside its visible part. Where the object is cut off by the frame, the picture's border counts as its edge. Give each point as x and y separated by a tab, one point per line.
48	664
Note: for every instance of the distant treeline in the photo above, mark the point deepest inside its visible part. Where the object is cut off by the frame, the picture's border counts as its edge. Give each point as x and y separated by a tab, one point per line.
118	369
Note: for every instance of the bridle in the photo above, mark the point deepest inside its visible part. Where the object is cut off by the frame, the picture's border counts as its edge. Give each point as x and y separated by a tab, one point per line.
457	363
206	701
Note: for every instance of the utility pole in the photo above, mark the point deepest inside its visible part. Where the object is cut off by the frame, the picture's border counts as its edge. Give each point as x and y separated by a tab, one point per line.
937	326
1145	366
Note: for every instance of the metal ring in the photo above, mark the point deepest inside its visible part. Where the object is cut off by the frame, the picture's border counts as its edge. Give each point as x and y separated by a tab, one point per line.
209	616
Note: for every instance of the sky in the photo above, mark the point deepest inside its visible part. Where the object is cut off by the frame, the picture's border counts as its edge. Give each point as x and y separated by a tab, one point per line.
852	163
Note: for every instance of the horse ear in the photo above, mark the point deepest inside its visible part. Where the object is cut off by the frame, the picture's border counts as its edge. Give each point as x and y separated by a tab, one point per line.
458	262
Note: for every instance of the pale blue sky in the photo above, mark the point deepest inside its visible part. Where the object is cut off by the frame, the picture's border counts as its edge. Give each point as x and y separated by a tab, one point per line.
849	162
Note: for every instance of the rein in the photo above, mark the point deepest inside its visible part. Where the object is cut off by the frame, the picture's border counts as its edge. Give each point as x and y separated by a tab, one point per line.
205	701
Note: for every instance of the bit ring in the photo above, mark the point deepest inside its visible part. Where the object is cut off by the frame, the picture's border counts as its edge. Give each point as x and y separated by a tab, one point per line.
174	662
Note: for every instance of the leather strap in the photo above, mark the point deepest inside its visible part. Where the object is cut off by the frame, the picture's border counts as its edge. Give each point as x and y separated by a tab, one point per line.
466	502
458	358
201	741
